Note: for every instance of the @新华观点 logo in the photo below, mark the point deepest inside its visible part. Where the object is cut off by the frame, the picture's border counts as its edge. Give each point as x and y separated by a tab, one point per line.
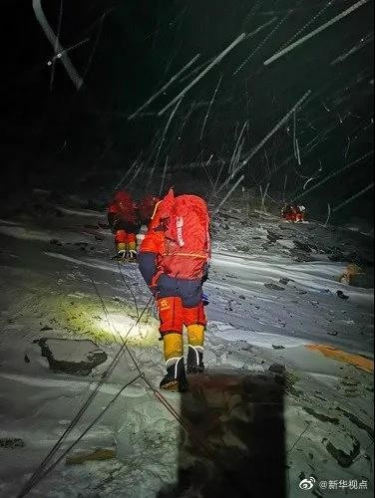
307	484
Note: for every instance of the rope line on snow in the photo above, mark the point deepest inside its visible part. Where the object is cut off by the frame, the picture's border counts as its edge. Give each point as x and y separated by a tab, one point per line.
42	471
159	396
36	477
88	428
128	287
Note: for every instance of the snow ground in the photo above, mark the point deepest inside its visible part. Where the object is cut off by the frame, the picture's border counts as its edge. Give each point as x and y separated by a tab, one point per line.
273	290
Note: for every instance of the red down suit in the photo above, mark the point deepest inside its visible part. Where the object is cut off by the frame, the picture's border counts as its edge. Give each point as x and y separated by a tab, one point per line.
176	276
123	221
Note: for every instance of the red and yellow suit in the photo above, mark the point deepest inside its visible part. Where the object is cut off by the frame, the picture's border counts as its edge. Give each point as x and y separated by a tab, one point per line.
123	221
179	300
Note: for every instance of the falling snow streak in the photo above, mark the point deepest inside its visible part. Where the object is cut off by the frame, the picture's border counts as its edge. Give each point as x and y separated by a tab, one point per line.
69	49
260	28
52	38
95	44
207	172
229	193
53	63
302	40
250	14
217	179
309	180
216	61
172	58
318	139
249	35
298	153
328	215
285	182
237	150
136	173
133	165
261	44
347	149
335	173
263	197
162	140
163	176
294	134
362	43
305	26
185	121
353	197
267	137
167	85
277	127
209	107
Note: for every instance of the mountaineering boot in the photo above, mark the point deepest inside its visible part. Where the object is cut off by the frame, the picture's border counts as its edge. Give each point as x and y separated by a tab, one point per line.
121	250
195	360
195	334
175	378
131	252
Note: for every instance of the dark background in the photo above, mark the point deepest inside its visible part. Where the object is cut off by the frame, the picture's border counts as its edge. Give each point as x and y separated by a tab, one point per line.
55	136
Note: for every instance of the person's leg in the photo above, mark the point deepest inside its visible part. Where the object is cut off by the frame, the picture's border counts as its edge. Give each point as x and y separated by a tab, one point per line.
194	318
195	321
121	242
132	245
171	324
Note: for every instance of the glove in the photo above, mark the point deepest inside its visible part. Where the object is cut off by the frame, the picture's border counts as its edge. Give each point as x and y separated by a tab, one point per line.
205	300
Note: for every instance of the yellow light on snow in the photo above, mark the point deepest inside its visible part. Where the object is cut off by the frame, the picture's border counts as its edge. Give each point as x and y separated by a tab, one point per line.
82	315
126	328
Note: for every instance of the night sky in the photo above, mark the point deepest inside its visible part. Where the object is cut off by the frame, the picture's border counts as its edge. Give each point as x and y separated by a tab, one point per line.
56	135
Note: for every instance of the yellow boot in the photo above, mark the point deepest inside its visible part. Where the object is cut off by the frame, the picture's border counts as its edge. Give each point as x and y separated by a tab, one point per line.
175	378
121	249
195	334
132	250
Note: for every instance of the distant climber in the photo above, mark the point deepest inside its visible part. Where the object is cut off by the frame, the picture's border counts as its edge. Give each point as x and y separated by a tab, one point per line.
123	220
173	260
293	212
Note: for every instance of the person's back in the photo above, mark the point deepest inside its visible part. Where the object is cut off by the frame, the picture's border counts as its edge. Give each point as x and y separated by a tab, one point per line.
173	260
123	221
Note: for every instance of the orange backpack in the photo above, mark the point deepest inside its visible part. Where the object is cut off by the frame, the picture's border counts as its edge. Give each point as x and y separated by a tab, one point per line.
186	237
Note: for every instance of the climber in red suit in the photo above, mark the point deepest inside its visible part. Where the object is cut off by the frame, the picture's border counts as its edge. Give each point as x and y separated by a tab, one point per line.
123	220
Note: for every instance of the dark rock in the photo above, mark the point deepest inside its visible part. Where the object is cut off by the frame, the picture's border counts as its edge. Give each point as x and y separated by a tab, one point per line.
301	257
274	287
11	442
70	359
272	236
304	247
277	368
356	421
103	225
55	242
342	458
284	280
321	416
341	295
277	347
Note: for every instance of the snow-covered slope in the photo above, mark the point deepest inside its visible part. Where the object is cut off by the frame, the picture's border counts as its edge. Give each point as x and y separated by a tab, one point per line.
274	290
